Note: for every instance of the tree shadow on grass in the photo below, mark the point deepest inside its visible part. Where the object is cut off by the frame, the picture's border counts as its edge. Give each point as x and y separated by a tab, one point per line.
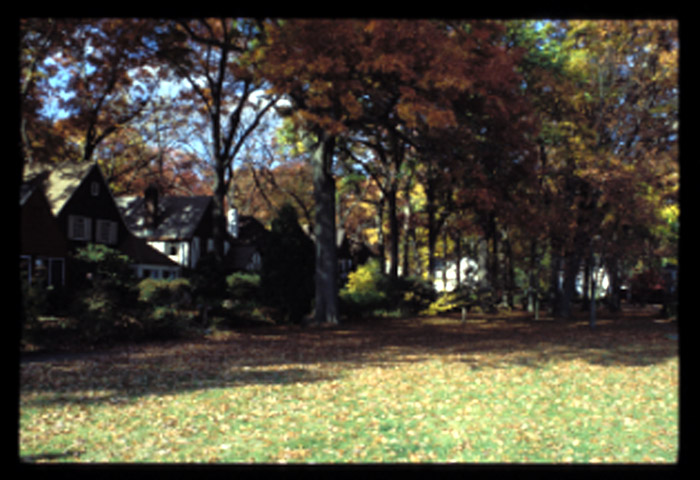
94	382
287	355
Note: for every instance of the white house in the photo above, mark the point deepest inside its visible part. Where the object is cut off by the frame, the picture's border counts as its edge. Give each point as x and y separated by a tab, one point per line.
182	228
469	274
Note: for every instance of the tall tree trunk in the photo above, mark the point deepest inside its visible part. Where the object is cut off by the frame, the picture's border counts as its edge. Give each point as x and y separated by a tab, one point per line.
219	212
381	238
326	277
555	291
432	229
532	290
493	270
587	266
409	234
393	231
510	281
571	268
444	260
458	261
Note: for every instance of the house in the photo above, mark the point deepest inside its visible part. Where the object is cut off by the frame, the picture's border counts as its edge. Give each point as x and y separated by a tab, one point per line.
85	210
182	228
43	245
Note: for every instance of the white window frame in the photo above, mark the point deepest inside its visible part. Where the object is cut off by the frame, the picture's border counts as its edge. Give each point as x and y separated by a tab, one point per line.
73	222
106	231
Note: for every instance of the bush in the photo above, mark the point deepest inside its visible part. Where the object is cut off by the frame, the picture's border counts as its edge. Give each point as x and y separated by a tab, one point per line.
411	294
369	291
243	286
244	302
463	297
364	291
105	299
165	308
208	281
34	305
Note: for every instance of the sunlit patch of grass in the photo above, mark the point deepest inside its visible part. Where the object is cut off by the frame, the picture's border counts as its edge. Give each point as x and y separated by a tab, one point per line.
482	395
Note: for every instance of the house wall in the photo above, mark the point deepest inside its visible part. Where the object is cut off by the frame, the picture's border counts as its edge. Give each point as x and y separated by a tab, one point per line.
177	251
91	200
43	247
40	233
469	274
156	271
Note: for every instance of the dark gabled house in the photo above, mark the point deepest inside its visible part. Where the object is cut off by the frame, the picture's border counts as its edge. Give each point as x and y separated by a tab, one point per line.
182	228
43	245
85	211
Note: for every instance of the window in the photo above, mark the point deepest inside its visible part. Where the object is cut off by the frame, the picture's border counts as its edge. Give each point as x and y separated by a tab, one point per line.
106	232
56	271
95	189
172	248
79	228
210	244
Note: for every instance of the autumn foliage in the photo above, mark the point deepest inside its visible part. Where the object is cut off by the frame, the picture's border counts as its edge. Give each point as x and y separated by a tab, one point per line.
533	146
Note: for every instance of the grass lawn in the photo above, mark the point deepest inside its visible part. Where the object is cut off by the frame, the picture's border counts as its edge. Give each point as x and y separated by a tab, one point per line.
496	389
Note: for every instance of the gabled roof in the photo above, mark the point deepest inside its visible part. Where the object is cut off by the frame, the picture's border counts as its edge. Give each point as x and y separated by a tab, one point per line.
60	181
140	251
177	217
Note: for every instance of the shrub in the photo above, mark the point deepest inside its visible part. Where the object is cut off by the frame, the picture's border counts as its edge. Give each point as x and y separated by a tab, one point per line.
244	299
369	291
164	308
105	299
34	305
364	291
462	297
243	286
411	294
208	281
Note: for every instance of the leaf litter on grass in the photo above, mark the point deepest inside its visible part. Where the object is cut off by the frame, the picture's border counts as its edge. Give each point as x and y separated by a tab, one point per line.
403	390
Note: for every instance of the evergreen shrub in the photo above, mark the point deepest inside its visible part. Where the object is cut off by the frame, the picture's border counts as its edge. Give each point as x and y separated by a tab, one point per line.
165	308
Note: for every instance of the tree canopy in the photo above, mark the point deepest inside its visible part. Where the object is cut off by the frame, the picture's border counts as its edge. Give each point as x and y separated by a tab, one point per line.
528	144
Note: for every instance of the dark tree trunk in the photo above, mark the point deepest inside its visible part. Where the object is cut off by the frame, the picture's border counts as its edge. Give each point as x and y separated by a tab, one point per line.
432	228
380	234
326	276
555	290
219	213
393	231
571	267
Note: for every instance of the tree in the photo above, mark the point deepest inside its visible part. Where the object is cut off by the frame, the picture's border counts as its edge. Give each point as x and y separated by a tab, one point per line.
94	72
287	276
216	59
605	82
343	76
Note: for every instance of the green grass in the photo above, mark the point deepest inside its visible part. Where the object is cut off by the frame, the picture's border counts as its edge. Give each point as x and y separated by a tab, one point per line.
420	390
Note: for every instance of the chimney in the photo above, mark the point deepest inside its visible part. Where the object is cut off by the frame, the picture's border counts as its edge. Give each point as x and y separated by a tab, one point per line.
150	196
232	218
